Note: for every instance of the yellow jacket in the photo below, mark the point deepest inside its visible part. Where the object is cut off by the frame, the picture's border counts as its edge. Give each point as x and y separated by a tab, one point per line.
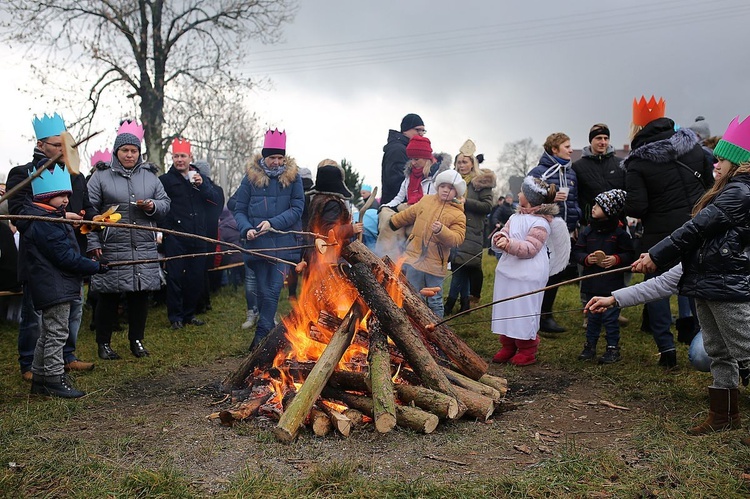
426	251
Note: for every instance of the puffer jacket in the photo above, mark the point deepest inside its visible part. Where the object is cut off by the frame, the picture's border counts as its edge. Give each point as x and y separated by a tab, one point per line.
597	173
392	167
714	246
426	251
609	237
553	172
478	204
118	186
279	200
659	191
55	264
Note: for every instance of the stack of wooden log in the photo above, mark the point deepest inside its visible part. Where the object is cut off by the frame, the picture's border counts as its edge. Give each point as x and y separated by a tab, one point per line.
424	375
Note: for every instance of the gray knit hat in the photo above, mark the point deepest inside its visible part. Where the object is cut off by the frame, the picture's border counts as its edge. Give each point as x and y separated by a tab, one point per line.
126	139
700	127
612	202
535	190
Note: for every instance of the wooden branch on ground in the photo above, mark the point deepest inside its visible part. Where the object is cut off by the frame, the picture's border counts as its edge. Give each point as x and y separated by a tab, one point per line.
340	422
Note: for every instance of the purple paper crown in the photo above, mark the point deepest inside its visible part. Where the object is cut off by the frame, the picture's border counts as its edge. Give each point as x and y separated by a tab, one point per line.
275	140
132	128
104	156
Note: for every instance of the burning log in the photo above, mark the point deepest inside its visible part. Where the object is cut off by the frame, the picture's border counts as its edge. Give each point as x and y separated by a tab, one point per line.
394	320
381	384
406	417
466	359
286	429
261	358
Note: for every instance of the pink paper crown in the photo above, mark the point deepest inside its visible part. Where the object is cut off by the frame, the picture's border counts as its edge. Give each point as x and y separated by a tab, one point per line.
738	133
132	128
104	156
275	140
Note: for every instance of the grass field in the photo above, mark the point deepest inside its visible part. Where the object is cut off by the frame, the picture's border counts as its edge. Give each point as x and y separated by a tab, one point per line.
38	460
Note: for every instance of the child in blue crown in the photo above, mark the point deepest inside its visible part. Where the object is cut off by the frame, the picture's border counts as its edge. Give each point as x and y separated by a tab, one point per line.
56	267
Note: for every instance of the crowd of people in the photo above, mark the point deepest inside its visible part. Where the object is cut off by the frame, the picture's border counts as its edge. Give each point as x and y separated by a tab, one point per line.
679	197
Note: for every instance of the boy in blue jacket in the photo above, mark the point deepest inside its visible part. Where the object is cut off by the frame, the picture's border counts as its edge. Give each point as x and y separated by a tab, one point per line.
56	267
604	244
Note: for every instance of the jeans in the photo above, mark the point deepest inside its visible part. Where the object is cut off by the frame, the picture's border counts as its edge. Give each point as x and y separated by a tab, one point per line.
685	307
460	284
251	287
697	354
269	281
611	326
48	354
30	328
660	320
419	280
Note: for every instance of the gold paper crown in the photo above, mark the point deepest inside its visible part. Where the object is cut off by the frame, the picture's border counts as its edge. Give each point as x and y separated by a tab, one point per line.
645	112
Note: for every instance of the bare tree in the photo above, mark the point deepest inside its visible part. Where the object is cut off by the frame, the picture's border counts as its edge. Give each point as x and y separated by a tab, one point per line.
145	49
515	160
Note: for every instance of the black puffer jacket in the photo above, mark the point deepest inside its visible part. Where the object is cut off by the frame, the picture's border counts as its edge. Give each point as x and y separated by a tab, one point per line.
714	247
394	162
597	173
659	191
609	237
479	200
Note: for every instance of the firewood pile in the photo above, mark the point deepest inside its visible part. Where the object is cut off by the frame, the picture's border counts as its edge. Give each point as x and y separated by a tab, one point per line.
356	349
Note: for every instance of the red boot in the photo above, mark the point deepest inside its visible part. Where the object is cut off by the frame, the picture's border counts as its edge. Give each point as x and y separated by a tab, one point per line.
526	354
509	350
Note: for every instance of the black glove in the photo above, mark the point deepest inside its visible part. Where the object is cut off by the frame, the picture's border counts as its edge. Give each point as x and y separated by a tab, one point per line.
103	267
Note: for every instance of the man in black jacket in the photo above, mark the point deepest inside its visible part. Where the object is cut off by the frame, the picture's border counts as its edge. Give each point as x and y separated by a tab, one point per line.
49	144
665	174
598	170
193	195
394	155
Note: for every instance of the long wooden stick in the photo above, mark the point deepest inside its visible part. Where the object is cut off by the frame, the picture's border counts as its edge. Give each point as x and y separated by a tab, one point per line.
35	218
23	183
168	258
540	290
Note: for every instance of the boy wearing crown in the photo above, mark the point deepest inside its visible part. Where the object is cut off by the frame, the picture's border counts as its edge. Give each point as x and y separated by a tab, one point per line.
192	195
49	144
55	265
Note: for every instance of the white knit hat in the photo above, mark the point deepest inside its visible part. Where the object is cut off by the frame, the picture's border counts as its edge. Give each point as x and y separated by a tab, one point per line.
451	177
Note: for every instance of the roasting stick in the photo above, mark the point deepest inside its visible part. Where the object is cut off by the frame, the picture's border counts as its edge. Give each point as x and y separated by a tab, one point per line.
122	263
540	290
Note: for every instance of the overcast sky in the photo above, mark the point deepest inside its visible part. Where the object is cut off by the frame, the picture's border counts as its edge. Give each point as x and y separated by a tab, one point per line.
494	72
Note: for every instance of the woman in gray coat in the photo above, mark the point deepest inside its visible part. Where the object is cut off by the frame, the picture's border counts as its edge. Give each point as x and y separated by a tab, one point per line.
134	188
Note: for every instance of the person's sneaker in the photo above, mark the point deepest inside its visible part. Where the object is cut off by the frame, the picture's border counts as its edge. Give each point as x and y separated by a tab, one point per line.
611	355
27	376
252	318
196	322
588	353
177	325
79	365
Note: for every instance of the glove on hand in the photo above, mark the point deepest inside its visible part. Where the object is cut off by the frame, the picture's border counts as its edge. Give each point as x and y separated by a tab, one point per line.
103	267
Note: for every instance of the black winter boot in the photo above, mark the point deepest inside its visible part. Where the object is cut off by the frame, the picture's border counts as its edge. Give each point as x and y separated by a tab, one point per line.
106	352
55	386
668	359
589	351
464	304
611	355
549	325
137	348
448	307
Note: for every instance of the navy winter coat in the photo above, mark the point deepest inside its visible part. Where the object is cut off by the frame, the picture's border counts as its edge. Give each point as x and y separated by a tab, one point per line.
553	172
190	204
609	237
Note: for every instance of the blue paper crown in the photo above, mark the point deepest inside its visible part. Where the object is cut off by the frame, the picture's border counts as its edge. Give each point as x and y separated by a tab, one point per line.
52	181
48	126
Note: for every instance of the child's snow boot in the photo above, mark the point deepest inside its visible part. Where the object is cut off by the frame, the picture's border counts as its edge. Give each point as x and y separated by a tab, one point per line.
589	351
507	351
526	354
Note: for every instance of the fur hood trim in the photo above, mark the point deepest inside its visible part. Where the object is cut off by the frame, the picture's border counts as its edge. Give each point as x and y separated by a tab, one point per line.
258	177
545	210
484	179
445	162
665	151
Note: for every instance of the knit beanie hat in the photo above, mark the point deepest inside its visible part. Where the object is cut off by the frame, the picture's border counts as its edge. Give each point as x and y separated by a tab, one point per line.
535	190
598	129
453	178
700	127
612	202
126	139
419	148
410	121
734	145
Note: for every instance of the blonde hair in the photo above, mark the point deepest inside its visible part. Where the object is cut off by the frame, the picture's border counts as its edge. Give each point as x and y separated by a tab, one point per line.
710	194
327	162
554	141
634	129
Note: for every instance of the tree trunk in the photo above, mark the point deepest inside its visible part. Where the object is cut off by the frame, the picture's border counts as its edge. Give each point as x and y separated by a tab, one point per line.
465	359
381	385
400	329
288	426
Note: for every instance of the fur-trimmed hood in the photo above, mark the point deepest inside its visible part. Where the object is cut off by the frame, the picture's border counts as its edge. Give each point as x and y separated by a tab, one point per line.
484	179
257	176
548	211
444	163
665	150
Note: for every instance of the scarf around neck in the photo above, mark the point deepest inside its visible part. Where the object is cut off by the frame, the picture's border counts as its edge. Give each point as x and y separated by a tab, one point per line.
414	189
272	172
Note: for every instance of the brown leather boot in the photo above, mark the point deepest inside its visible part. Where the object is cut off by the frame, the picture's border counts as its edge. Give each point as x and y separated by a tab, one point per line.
723	412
